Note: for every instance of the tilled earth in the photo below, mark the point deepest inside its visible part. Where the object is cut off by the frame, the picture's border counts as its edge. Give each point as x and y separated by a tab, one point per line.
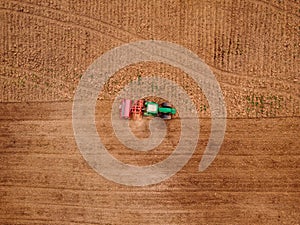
251	46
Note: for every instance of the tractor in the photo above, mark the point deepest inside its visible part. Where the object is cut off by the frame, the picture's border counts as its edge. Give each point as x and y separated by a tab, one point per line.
137	109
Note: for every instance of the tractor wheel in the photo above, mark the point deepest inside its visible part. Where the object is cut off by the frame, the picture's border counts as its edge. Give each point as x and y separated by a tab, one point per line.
166	105
166	116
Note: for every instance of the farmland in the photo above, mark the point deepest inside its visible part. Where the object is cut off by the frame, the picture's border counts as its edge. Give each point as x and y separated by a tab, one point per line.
252	48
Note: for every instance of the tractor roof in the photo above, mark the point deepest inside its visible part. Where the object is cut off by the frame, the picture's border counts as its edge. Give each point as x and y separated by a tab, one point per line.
152	107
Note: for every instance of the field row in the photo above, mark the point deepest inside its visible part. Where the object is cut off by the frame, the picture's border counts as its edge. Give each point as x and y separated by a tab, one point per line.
244	97
250	48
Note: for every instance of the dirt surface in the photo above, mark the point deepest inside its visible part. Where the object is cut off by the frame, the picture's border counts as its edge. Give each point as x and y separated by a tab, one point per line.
251	46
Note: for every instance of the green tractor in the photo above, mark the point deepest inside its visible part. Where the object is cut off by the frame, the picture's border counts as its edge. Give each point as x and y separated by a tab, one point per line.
165	110
137	109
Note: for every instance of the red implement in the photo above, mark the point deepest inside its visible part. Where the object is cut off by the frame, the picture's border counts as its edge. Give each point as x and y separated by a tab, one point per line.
125	108
137	109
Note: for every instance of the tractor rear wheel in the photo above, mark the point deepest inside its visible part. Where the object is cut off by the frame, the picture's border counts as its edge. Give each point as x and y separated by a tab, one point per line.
166	105
166	116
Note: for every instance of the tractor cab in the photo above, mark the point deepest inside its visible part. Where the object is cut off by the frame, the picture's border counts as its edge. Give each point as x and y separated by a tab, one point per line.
151	109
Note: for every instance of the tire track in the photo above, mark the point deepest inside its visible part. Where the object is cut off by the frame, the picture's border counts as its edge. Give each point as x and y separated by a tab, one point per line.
63	23
216	67
82	22
287	5
31	86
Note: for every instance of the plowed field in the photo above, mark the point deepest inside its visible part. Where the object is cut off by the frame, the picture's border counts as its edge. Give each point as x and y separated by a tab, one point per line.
251	46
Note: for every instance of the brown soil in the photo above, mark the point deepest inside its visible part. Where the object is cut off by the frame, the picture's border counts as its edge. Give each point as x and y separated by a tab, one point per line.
251	46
